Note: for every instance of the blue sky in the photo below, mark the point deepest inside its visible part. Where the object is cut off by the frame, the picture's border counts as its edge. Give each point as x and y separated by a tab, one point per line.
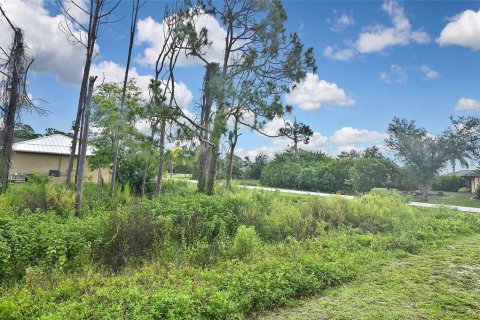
376	60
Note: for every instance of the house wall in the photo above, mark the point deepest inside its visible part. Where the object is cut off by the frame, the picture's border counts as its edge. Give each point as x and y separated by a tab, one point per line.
474	183
42	163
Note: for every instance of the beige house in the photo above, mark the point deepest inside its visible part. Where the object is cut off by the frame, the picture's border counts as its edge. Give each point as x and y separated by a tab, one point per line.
471	178
49	155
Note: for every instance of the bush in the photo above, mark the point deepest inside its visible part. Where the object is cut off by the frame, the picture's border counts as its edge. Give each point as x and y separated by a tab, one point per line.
245	241
281	175
43	239
130	234
447	183
60	199
369	173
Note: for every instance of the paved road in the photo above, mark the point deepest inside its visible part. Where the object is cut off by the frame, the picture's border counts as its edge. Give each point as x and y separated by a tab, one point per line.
319	194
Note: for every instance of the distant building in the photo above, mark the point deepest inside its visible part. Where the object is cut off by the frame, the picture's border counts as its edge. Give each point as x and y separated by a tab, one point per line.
471	178
49	155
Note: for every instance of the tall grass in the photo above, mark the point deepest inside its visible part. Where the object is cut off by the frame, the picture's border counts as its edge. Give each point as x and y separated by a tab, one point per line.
186	255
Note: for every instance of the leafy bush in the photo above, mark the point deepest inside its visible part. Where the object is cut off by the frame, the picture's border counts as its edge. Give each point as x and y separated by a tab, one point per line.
447	183
369	173
245	241
60	199
281	175
43	239
130	234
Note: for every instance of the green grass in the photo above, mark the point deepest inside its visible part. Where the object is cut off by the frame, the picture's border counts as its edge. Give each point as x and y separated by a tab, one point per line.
225	256
247	182
443	284
458	199
181	176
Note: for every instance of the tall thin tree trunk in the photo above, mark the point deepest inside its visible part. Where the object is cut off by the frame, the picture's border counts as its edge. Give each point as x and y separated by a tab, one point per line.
92	37
16	55
205	156
161	162
231	154
82	154
203	164
99	183
215	136
453	165
133	23
146	166
212	170
425	193
144	178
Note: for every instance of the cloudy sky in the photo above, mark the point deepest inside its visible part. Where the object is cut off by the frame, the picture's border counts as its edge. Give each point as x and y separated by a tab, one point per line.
376	60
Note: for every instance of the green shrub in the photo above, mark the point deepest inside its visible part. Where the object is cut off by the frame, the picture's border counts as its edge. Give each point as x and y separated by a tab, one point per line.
368	173
43	239
447	183
281	175
60	199
245	242
130	234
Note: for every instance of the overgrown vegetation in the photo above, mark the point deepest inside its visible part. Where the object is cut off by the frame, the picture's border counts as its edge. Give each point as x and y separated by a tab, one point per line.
186	255
315	171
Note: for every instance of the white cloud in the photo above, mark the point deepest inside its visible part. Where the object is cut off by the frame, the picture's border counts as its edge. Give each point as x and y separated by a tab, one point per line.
318	142
115	73
339	54
462	30
465	104
46	42
152	33
397	74
340	22
380	37
73	8
377	38
349	135
313	92
429	72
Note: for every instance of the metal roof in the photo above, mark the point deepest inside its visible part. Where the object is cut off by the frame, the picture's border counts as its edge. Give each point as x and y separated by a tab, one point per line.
53	144
465	173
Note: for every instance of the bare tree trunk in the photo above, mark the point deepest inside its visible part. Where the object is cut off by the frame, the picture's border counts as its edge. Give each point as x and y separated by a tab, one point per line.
92	38
205	156
144	179
16	55
135	9
425	193
161	162
145	168
171	169
99	183
233	143
83	152
452	162
203	164
212	170
215	136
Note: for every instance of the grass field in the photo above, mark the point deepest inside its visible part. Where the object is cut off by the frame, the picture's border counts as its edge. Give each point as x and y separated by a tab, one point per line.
458	199
443	284
232	255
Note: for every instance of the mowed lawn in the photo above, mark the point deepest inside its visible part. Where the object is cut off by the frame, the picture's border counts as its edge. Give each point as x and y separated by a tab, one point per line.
458	199
443	284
